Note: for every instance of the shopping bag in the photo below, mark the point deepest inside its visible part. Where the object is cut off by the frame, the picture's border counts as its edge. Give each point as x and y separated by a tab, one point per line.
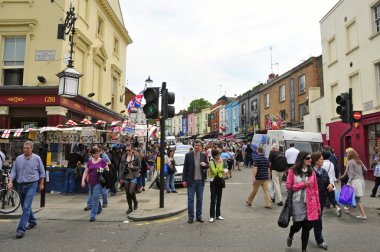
165	169
346	194
353	204
376	171
271	189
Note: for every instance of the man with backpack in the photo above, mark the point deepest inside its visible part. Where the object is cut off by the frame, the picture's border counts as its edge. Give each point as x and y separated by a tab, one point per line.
278	165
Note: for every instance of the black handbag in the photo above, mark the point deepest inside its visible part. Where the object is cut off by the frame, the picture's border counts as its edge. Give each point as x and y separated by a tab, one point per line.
286	212
219	181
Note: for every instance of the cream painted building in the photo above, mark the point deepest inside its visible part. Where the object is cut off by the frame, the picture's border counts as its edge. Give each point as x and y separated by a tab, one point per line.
204	128
350	35
29	48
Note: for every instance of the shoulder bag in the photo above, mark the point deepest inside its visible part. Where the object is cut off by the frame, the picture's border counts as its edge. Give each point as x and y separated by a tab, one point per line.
286	212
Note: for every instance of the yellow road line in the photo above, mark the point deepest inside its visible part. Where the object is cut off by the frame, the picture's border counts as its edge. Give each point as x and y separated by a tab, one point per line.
161	221
5	220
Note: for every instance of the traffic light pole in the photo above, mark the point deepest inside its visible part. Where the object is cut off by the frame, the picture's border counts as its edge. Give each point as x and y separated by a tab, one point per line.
162	145
342	168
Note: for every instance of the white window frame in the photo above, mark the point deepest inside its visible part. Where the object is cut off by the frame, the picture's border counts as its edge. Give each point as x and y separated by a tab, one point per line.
14	66
243	108
267	100
282	93
376	17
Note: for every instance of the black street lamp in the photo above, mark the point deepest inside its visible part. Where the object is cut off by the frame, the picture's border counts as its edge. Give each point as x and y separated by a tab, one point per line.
68	78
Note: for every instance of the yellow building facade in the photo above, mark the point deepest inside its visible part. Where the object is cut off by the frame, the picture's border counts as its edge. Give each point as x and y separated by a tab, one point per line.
29	48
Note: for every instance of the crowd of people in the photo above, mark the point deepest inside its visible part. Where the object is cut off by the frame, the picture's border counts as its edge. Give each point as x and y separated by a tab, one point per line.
313	178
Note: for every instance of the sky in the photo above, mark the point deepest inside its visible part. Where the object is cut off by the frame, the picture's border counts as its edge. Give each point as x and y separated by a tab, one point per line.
209	48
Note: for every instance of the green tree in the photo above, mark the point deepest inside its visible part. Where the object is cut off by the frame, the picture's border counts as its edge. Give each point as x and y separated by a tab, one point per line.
197	105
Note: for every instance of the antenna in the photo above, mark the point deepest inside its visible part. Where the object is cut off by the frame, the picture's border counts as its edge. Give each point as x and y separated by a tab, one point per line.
271	64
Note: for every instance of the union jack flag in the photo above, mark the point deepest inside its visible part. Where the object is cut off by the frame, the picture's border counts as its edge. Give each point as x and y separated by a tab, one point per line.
18	133
71	122
6	133
135	102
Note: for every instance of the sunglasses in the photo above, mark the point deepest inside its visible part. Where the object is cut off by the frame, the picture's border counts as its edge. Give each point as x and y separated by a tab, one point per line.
127	150
307	158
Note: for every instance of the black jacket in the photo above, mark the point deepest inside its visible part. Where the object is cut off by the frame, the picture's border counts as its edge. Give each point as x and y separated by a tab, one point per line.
189	165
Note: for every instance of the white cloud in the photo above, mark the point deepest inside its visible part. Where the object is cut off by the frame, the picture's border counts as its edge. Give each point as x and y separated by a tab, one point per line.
196	46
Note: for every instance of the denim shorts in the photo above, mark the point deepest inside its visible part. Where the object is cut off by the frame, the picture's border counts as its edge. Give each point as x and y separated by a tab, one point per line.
127	181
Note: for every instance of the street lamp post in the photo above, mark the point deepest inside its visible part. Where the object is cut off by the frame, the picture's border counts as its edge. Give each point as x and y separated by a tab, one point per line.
68	78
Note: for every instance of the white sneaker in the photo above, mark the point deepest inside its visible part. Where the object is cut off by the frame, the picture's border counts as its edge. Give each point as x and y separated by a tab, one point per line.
338	212
346	210
211	220
361	217
219	218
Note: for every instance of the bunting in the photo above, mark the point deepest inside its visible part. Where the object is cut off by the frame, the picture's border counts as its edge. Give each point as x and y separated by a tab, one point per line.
6	133
71	122
18	133
86	121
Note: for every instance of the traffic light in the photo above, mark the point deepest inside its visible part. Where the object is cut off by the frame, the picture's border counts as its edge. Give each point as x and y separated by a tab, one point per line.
151	108
170	98
344	107
356	116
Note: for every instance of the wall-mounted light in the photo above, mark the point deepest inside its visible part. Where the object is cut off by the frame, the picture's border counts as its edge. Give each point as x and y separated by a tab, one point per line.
108	103
41	79
91	95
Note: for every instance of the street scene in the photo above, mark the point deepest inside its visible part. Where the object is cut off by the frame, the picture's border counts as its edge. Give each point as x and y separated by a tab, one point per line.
63	225
189	125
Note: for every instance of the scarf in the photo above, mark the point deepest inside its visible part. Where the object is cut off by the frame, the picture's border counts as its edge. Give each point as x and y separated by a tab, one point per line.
318	171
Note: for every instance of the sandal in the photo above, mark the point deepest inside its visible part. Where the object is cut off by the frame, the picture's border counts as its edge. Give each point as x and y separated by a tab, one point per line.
323	245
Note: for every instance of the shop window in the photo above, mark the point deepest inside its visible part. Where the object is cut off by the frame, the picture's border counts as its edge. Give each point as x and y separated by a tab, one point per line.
13	60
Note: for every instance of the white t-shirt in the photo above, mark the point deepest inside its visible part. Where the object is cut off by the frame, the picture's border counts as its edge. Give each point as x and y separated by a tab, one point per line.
329	167
3	158
291	155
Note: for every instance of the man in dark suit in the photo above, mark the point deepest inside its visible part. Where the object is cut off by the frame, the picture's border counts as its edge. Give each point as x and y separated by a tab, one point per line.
193	177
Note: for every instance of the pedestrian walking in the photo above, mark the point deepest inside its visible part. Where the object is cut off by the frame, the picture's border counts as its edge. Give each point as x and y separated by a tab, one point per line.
249	156
194	175
376	169
260	178
278	165
324	187
291	155
239	158
75	160
356	168
92	174
330	169
306	207
216	168
131	171
29	173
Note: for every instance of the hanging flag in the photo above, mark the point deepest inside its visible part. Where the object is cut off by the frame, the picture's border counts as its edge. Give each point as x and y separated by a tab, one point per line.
6	133
71	122
279	120
135	102
18	133
98	122
86	121
113	123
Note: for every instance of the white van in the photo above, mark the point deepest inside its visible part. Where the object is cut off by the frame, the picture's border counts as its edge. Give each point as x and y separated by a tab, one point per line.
303	141
170	140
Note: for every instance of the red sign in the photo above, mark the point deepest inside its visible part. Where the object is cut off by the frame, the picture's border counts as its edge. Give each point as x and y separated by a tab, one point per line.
357	116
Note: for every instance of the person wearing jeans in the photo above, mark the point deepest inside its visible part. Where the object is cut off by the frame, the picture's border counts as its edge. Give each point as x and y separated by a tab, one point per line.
216	168
193	177
170	162
29	173
75	159
92	174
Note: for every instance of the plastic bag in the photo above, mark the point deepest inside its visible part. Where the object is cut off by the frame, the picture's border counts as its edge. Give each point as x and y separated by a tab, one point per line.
376	171
346	195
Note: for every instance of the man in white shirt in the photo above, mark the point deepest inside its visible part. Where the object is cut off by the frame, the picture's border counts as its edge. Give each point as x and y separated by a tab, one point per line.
291	155
329	168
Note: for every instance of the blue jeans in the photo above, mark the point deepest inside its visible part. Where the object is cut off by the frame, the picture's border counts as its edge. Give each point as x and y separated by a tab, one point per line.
143	176
170	182
104	196
27	192
95	192
69	176
196	188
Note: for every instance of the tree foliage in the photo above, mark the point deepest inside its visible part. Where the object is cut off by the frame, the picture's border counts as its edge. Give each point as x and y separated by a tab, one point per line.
197	105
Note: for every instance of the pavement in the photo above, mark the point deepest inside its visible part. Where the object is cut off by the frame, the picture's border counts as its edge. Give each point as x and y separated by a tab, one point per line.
70	207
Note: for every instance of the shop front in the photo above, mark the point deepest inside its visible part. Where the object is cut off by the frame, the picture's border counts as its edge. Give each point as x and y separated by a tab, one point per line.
364	137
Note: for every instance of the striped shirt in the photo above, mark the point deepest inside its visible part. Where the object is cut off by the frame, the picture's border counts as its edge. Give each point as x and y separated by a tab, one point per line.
262	164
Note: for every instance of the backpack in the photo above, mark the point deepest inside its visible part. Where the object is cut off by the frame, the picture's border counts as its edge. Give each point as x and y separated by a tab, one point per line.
280	162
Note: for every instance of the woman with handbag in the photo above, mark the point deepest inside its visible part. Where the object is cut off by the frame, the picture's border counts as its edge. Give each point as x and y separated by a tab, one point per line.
324	187
131	171
376	172
356	168
216	188
93	175
170	162
305	204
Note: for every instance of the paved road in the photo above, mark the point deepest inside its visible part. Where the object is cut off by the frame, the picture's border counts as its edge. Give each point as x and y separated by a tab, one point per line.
244	229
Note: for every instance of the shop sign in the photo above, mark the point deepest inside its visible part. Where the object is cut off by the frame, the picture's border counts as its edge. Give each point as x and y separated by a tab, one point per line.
27	125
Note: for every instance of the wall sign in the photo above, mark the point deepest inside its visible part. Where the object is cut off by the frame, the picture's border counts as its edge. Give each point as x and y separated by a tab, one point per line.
45	55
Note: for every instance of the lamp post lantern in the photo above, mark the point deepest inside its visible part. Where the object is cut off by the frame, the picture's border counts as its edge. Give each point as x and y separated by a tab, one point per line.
68	78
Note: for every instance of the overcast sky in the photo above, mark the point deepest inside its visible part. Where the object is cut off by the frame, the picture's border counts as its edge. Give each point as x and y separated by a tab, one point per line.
208	48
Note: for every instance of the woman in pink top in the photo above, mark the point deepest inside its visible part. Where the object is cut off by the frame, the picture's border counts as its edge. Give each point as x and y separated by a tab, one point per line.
306	207
92	174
